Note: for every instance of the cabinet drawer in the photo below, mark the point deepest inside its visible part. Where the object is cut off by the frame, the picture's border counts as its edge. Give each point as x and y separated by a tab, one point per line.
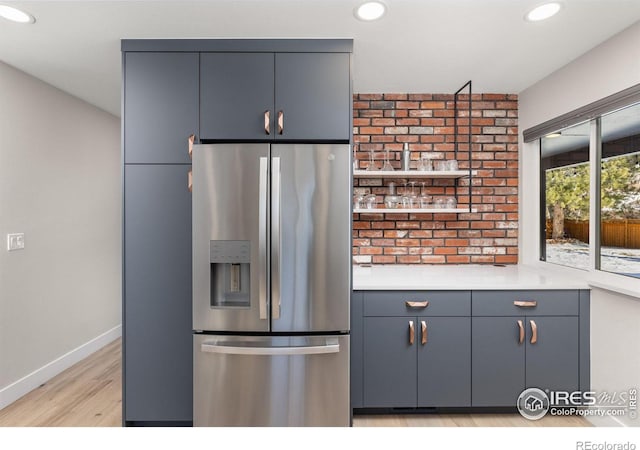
440	303
534	303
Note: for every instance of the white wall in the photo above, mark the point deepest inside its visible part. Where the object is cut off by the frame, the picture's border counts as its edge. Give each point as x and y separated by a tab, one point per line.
60	185
605	70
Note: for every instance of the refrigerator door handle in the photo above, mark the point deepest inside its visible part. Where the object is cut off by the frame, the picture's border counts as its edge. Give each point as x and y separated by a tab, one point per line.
230	349
262	237
275	237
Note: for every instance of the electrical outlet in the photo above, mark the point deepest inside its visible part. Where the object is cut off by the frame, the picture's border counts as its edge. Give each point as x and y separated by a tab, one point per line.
15	241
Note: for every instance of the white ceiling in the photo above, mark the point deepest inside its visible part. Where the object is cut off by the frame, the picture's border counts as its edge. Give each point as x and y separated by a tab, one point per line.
419	46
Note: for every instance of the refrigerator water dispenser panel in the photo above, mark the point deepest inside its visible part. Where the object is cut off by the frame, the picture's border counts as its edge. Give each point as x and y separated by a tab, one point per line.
230	274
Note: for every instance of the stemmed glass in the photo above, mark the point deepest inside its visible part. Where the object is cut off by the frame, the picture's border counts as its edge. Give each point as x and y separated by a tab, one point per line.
409	198
424	199
387	165
372	164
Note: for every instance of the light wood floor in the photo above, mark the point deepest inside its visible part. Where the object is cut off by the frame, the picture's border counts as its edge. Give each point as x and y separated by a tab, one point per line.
89	395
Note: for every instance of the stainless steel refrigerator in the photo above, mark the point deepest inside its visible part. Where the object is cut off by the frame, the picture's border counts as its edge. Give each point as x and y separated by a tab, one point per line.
271	284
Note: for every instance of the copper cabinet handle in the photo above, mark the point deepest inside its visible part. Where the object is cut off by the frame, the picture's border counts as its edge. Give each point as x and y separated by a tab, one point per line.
412	332
411	304
191	139
424	332
267	122
534	331
521	335
526	303
190	181
280	122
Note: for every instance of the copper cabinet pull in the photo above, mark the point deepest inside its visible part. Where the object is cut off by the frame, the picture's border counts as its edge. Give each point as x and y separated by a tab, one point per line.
267	122
280	122
534	331
190	181
526	303
412	332
424	332
521	335
191	139
411	304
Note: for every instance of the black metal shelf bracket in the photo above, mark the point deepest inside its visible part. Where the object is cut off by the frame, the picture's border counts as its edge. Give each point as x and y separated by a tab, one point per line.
456	142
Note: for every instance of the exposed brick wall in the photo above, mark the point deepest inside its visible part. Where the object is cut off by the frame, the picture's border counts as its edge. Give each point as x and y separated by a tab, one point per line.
426	121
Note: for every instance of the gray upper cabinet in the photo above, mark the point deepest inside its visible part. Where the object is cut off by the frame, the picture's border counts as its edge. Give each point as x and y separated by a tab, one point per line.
157	291
237	96
275	96
160	106
313	96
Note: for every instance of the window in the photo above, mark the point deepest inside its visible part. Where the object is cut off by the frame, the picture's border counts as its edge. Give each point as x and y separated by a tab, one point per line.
565	187
565	176
619	249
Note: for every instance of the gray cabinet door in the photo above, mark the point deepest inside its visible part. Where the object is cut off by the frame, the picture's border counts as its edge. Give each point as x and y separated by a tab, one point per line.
160	106
389	363
313	94
236	91
498	361
357	350
444	361
157	293
553	361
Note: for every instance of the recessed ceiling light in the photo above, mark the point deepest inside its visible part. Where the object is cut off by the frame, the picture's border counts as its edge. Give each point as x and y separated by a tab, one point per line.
553	135
15	15
369	11
543	12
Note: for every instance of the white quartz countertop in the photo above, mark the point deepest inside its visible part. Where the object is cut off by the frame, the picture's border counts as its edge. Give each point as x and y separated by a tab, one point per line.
457	277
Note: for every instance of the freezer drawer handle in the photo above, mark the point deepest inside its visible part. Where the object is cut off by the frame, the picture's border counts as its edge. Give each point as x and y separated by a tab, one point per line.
270	351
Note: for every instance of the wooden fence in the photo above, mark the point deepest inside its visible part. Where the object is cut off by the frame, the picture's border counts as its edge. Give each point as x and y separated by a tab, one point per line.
613	233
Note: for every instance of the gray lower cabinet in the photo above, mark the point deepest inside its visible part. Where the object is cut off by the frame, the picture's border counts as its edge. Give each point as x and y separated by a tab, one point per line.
390	363
160	106
444	362
417	362
268	96
498	361
415	356
461	348
157	294
525	339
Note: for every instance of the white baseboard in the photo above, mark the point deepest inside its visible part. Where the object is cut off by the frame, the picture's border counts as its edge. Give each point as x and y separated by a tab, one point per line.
14	391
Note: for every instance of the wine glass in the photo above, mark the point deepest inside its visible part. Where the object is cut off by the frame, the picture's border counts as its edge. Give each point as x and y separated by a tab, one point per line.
424	200
372	163
387	165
